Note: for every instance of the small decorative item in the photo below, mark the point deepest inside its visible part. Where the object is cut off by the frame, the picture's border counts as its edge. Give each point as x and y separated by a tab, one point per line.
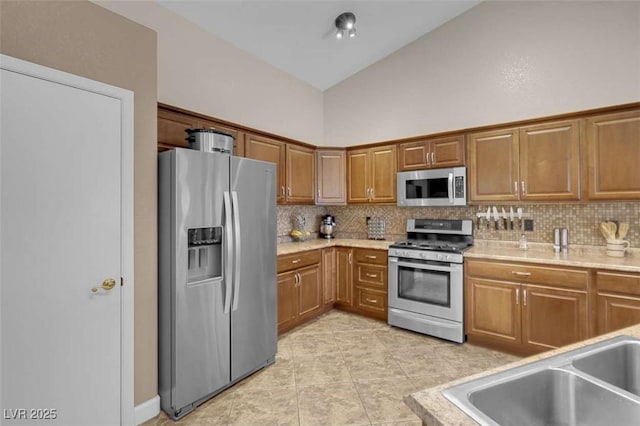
298	233
523	243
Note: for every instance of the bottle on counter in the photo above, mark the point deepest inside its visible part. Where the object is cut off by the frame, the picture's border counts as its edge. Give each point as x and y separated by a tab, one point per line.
524	245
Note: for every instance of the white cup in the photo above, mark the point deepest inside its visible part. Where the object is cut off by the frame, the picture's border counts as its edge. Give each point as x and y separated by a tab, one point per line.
616	248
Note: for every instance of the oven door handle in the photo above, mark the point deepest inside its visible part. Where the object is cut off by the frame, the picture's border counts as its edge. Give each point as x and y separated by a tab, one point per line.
426	267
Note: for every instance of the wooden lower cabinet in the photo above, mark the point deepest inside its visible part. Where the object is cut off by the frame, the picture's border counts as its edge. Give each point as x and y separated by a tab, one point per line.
329	275
552	317
370	283
522	318
492	310
300	291
618	300
344	276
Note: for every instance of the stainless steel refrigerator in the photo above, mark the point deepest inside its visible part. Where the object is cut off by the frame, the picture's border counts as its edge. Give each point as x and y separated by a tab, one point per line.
217	274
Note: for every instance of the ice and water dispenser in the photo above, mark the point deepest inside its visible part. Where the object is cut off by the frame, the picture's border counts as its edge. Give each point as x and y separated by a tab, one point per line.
205	254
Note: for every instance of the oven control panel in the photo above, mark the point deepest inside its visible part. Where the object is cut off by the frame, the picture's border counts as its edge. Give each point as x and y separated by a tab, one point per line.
426	255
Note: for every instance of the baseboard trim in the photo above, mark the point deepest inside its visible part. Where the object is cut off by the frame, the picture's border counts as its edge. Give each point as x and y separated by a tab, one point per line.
147	410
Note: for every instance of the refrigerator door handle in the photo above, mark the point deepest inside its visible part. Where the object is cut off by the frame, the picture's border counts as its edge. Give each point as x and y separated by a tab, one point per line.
229	253
236	228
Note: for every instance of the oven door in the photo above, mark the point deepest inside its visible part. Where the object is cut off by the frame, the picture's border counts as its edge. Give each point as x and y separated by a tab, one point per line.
425	287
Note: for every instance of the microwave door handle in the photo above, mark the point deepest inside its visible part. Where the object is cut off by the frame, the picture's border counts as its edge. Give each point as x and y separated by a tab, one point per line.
426	267
450	188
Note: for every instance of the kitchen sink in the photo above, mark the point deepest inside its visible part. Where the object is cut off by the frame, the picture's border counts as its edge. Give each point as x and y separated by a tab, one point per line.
618	365
598	384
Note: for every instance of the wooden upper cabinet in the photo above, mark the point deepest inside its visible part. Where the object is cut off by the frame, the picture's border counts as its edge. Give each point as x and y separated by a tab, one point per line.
331	177
300	174
273	151
493	165
295	167
383	174
540	162
613	154
432	153
371	175
358	171
171	129
550	161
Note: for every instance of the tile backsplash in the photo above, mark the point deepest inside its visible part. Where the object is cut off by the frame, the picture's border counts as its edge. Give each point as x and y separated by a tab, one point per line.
581	220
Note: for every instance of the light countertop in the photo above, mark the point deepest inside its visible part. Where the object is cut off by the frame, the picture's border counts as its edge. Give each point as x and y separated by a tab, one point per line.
577	256
319	243
434	409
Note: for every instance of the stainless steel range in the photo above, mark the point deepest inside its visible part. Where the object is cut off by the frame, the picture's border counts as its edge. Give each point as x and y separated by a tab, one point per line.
426	277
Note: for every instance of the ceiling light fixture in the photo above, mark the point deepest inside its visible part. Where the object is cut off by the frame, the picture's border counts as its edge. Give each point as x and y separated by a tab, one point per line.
346	25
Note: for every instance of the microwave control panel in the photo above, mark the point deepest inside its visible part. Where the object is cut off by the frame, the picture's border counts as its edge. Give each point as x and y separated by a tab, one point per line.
458	187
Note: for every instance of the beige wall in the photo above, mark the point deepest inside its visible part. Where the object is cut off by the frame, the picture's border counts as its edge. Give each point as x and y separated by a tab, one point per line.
200	72
498	62
84	39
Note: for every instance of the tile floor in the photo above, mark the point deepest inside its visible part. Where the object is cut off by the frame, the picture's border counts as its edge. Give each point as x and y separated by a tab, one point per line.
341	369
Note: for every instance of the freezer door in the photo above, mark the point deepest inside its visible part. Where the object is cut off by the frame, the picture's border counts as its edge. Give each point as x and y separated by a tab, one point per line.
253	315
201	363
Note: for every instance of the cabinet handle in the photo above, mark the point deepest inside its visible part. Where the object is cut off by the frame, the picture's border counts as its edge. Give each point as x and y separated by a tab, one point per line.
294	261
517	296
521	274
371	300
282	190
426	159
371	275
524	299
372	193
350	254
295	279
318	193
369	256
515	187
524	188
433	158
289	191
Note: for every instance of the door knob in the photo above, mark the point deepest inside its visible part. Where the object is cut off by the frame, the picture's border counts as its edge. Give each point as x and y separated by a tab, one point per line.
107	285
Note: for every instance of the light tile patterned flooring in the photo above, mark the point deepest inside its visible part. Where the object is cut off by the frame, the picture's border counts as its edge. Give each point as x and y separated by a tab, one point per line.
341	369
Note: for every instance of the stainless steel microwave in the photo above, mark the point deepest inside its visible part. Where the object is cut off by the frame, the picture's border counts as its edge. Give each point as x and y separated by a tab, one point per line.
433	188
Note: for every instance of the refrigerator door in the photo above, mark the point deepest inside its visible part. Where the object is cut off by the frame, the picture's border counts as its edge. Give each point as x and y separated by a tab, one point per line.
201	360
253	316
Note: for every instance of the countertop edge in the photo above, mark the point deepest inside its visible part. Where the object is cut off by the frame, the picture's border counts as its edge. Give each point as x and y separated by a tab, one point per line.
316	244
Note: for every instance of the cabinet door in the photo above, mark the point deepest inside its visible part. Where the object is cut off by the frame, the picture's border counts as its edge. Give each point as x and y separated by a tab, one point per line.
613	151
300	174
238	145
552	317
266	149
414	156
358	172
617	311
329	275
344	275
171	129
493	166
550	161
287	299
493	310
447	152
383	174
331	180
309	290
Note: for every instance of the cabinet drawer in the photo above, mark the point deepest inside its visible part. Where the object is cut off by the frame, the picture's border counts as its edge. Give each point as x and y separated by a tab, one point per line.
371	300
618	282
287	262
371	276
525	273
376	257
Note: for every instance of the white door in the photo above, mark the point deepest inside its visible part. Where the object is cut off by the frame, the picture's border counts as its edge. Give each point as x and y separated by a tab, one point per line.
60	240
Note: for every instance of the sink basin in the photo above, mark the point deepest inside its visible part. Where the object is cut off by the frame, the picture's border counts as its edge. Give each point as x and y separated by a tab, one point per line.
554	397
618	365
597	384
